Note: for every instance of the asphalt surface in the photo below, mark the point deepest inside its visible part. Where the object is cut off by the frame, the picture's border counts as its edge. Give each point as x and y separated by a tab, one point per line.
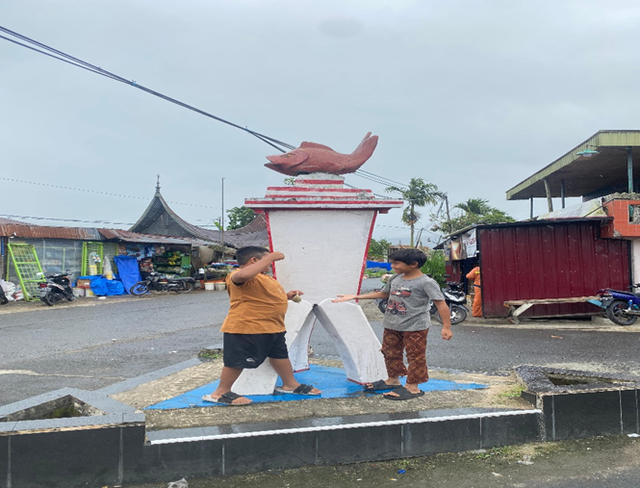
91	343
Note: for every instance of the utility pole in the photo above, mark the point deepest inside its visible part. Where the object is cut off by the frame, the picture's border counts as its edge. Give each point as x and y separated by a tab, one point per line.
446	203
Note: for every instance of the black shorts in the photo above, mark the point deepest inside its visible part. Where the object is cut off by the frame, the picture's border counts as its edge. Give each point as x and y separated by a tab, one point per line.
248	351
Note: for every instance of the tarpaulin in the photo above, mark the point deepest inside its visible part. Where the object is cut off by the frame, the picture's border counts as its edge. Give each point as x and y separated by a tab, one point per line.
128	271
375	264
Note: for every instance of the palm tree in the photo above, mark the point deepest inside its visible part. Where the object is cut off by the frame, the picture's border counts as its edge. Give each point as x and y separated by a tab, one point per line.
476	206
419	193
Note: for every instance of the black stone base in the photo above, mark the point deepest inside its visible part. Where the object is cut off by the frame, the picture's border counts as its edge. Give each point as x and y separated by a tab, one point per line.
578	404
97	454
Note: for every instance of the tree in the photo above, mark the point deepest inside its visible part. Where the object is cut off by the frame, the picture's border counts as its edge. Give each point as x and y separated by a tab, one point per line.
378	249
239	217
419	193
473	211
477	206
435	266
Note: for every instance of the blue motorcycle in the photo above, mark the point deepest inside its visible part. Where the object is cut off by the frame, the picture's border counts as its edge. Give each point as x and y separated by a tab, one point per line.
621	307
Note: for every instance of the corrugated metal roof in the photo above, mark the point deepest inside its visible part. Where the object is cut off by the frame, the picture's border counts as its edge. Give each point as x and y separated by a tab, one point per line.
580	176
158	224
27	231
127	236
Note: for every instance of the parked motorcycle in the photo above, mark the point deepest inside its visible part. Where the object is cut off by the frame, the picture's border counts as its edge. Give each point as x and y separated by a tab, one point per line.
3	297
454	297
158	282
56	288
621	307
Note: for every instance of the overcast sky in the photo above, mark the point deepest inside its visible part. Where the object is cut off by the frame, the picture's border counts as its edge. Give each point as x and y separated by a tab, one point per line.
473	96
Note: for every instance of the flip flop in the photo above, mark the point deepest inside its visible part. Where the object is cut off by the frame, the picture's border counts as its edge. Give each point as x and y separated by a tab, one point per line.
302	389
226	399
380	385
403	394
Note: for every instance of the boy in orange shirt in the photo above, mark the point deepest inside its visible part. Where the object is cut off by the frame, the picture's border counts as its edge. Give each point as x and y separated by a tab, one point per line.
254	327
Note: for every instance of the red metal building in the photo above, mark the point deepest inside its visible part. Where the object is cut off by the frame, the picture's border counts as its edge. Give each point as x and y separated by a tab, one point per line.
539	260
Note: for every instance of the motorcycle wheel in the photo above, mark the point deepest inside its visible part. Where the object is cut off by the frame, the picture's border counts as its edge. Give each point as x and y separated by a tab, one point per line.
458	314
48	299
140	288
185	287
436	317
616	313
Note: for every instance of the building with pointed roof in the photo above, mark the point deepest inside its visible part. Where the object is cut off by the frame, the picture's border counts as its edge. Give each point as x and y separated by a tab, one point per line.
160	219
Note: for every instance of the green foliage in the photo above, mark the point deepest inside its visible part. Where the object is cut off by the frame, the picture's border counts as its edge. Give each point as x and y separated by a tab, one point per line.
419	193
378	249
515	392
375	272
434	266
239	217
290	180
473	211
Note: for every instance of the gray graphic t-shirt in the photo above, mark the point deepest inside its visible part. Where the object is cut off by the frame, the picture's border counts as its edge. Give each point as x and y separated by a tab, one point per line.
408	304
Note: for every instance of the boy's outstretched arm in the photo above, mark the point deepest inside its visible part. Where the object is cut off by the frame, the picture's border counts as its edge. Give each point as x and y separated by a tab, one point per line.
445	315
255	267
373	294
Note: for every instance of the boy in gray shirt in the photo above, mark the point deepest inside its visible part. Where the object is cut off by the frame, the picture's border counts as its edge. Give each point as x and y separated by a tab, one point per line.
406	324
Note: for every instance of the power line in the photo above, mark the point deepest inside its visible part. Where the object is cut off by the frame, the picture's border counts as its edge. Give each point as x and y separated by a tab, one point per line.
66	58
98	192
379	179
61	56
31	217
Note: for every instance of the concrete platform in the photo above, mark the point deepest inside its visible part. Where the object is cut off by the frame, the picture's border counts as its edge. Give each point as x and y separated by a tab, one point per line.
118	440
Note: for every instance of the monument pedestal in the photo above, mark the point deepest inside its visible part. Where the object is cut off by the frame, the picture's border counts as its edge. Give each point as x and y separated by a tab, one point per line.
324	230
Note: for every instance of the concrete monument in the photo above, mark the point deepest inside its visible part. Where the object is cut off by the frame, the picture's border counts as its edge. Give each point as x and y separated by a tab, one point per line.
324	230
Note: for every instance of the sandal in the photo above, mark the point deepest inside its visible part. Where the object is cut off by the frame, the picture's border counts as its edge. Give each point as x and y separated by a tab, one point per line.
402	394
226	399
302	389
380	385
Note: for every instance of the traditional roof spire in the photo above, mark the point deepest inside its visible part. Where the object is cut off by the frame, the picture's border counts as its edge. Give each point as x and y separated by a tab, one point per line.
158	184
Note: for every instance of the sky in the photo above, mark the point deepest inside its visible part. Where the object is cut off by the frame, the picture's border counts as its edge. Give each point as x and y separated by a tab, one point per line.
473	96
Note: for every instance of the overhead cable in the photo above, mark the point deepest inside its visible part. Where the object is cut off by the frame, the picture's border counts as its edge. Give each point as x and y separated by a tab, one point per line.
31	217
61	56
98	192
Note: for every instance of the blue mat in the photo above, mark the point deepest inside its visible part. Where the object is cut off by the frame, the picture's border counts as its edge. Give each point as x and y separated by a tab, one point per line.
332	381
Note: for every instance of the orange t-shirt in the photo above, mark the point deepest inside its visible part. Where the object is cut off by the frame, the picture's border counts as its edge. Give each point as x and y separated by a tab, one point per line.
257	306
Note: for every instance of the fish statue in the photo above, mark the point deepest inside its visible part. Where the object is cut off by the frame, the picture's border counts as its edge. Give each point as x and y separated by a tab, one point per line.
311	157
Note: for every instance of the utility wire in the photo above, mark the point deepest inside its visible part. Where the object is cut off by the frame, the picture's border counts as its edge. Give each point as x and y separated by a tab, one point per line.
31	217
384	181
61	56
99	192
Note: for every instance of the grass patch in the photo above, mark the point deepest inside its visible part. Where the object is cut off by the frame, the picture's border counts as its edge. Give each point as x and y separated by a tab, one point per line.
209	354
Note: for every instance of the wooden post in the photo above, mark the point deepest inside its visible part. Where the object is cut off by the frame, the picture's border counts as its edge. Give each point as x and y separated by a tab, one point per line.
531	207
547	190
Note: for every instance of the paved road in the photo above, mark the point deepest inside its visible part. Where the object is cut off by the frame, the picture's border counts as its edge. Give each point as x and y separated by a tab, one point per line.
90	344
